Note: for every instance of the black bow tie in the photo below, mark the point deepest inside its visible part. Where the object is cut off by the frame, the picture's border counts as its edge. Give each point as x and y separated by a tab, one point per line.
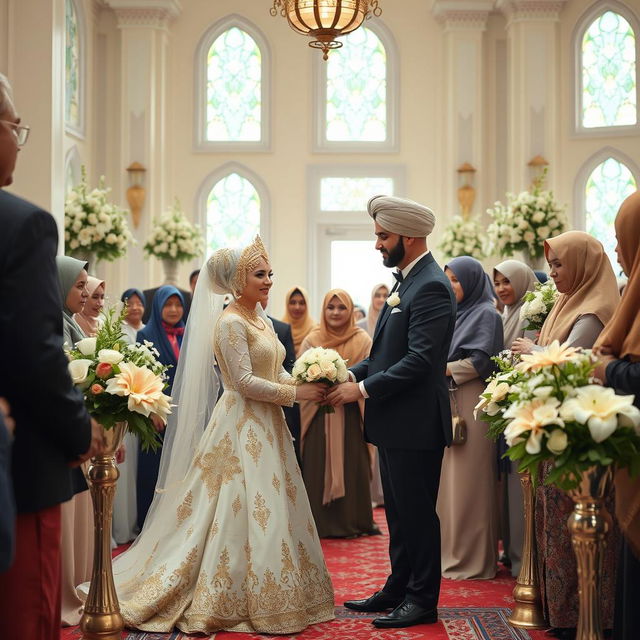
398	275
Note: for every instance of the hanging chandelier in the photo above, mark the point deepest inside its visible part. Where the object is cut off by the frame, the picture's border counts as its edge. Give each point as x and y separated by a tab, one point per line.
325	20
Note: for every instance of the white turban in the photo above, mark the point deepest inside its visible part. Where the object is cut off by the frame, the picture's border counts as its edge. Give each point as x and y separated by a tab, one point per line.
404	217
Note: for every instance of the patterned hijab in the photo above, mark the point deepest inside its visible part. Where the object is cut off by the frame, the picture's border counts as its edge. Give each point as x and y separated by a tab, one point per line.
299	328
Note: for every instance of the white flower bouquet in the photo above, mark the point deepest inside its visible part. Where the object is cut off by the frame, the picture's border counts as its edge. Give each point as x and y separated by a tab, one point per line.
173	237
92	224
549	407
463	237
121	382
537	305
320	365
525	222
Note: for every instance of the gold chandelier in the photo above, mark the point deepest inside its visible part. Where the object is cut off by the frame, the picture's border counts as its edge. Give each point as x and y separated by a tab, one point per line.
325	20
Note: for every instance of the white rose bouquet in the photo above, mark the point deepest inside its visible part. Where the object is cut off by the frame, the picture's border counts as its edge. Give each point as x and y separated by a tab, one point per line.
173	237
92	224
537	305
320	365
463	237
121	382
552	409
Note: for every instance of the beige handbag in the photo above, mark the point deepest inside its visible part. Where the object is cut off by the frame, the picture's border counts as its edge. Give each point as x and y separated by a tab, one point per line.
458	424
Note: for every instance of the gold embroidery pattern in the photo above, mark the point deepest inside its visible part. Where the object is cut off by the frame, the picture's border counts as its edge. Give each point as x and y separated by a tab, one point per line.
214	530
261	513
276	483
288	568
229	401
219	466
222	577
253	446
189	533
185	509
236	506
311	529
292	490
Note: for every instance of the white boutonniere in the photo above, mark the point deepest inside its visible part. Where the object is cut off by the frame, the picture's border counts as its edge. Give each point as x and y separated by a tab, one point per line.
393	300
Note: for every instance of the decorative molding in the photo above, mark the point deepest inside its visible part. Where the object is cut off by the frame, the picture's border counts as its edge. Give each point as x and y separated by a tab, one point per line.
154	14
463	16
531	10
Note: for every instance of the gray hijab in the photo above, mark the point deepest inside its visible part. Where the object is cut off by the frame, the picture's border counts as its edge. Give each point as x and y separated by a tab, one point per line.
68	271
522	279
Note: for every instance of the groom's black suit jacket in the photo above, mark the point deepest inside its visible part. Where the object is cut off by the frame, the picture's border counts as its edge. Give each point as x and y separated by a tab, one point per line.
408	404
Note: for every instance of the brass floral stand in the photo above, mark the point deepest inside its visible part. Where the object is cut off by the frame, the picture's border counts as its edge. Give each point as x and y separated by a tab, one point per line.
527	611
589	524
101	619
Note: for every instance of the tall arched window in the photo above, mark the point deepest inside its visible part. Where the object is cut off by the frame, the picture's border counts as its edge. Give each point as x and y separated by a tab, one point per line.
73	115
608	74
232	87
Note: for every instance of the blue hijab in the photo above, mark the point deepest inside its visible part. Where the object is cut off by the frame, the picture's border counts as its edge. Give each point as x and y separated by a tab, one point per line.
478	324
154	331
134	292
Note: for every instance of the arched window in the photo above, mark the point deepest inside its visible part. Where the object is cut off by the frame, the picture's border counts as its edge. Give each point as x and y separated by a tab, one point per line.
73	108
73	169
232	89
356	103
608	74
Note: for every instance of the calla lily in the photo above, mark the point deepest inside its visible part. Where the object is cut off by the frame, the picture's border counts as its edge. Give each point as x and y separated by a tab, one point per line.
87	346
111	356
79	370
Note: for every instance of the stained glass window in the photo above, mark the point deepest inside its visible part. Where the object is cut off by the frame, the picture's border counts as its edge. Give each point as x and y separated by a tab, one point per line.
351	194
233	213
609	73
72	66
234	93
356	109
607	186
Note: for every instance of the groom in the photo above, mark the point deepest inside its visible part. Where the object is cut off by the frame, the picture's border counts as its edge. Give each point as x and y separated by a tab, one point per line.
407	414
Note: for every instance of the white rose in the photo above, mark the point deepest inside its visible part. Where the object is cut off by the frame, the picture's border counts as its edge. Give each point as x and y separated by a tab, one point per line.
87	346
544	232
74	244
537	217
343	372
394	299
557	442
529	236
553	223
523	224
110	356
79	370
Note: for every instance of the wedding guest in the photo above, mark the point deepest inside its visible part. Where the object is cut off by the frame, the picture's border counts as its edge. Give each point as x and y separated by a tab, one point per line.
136	304
618	348
297	315
467	500
335	457
89	318
511	280
359	313
165	329
149	295
588	297
52	426
72	283
193	279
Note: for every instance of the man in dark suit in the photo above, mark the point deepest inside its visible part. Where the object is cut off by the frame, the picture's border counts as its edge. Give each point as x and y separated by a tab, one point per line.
52	427
407	413
7	505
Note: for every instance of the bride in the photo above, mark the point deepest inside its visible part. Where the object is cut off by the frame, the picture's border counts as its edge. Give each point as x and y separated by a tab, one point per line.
229	542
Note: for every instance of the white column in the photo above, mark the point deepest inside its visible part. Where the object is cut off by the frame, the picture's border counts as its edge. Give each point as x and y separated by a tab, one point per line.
464	24
533	86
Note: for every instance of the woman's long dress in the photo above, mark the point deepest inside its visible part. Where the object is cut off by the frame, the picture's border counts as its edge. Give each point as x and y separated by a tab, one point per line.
239	550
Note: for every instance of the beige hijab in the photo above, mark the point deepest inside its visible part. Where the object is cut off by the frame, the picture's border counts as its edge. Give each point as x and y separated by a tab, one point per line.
299	328
353	344
594	289
522	279
87	323
372	316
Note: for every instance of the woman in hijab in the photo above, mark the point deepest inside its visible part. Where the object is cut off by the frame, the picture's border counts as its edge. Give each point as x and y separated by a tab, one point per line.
132	323
588	298
335	458
77	513
165	330
618	348
467	503
89	318
297	315
379	296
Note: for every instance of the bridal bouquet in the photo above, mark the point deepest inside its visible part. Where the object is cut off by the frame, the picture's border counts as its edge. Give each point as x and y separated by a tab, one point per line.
462	237
173	237
320	365
549	408
537	305
92	224
121	382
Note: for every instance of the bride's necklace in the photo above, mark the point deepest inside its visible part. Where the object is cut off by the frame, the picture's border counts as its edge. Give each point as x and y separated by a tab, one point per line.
250	316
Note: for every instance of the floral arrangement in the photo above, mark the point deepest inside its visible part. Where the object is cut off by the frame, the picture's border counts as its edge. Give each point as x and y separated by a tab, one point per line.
173	237
549	407
121	382
463	237
525	222
92	224
320	365
537	305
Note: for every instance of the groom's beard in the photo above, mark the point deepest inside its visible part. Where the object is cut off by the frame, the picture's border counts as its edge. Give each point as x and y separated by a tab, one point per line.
395	256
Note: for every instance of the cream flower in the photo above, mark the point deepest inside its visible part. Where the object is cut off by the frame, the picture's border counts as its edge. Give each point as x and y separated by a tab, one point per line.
554	354
314	372
393	300
343	372
79	370
111	356
531	418
557	442
87	346
498	390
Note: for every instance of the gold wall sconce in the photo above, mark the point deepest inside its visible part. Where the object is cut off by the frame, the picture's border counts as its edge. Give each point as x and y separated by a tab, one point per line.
537	170
466	190
136	193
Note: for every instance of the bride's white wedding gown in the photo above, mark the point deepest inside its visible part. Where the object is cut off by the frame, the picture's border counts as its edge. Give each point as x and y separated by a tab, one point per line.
238	548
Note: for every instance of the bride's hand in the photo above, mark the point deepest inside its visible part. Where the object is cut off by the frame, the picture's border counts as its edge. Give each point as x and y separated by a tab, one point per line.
522	345
313	391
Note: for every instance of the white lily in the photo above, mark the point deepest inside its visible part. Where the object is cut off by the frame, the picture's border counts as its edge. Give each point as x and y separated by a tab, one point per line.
79	370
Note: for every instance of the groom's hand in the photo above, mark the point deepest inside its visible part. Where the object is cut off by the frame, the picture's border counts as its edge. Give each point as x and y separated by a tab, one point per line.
344	393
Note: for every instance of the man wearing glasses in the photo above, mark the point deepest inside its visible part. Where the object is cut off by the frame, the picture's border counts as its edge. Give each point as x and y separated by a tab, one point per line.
53	431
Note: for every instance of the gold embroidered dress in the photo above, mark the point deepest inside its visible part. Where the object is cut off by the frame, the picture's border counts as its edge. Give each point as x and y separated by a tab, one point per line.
239	550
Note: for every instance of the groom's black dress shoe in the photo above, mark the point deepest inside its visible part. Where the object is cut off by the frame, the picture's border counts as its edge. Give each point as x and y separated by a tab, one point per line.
379	601
406	615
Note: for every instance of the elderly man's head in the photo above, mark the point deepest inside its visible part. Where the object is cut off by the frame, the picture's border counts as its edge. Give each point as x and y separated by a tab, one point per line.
8	133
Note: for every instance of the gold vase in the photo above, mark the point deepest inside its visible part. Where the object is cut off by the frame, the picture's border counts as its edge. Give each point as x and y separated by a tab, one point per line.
527	611
101	619
589	524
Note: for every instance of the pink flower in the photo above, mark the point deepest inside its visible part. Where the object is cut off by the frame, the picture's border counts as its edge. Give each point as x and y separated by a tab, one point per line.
104	370
96	389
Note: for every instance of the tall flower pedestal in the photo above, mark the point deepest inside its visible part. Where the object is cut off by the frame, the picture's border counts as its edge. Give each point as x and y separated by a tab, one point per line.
535	263
589	524
101	619
170	271
527	611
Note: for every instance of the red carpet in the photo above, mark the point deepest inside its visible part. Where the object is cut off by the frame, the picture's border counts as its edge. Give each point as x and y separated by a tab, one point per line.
469	609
